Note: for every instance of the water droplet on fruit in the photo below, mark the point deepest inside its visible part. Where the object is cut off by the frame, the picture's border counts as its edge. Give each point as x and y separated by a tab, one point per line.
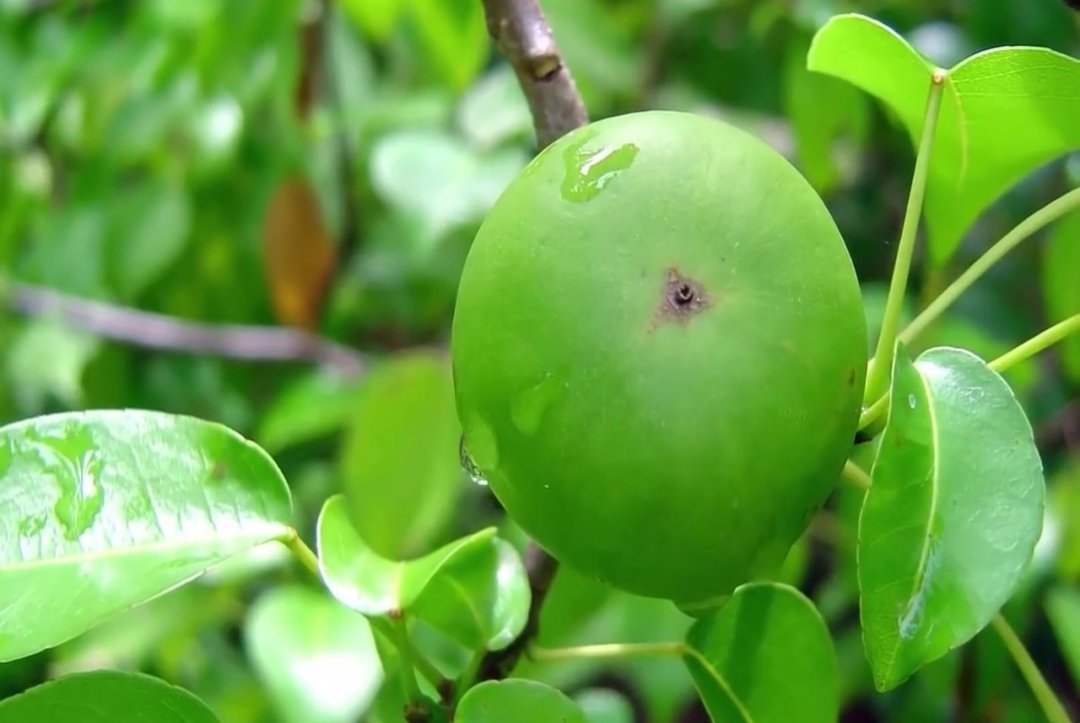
469	464
588	172
81	497
911	402
527	408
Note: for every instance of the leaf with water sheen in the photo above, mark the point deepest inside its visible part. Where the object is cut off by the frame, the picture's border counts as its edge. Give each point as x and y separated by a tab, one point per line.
764	657
952	516
518	700
317	658
473	589
100	511
106	696
1004	113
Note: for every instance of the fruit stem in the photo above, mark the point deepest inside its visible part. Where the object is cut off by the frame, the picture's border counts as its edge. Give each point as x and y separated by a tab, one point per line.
607	650
855	475
877	379
1037	343
1048	701
1045	215
301	552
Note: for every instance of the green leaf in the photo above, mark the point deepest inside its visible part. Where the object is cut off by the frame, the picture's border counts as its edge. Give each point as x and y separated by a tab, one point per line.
150	229
1004	113
1061	269
764	657
400	462
952	516
315	405
106	696
494	110
1063	607
46	362
100	511
518	700
316	657
375	17
374	585
452	36
603	705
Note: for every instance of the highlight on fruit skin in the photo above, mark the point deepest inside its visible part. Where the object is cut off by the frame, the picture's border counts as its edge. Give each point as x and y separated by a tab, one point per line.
659	349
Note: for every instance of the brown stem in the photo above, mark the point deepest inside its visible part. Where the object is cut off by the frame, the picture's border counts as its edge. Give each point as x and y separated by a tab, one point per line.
523	35
157	331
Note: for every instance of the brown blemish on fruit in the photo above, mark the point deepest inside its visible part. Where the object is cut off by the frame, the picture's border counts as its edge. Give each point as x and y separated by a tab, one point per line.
851	377
681	298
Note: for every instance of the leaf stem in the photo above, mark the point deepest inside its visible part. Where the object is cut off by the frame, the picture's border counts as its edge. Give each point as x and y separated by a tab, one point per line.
387	627
302	552
873	412
1045	215
886	345
1052	707
1037	343
400	637
607	650
855	475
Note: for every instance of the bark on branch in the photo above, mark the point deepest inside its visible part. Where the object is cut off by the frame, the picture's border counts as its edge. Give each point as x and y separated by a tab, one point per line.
523	35
157	331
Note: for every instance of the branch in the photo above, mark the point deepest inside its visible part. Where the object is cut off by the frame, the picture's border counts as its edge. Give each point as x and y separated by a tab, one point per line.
157	331
523	35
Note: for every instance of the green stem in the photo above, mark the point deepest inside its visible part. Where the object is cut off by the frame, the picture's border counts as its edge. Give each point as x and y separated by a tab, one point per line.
890	325
1045	215
405	652
855	475
608	650
388	629
301	552
1052	708
1037	343
468	675
873	412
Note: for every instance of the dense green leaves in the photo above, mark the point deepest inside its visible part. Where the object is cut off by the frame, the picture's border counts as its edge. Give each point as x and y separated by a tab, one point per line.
473	589
522	701
764	657
106	697
100	511
1004	113
400	456
952	517
318	658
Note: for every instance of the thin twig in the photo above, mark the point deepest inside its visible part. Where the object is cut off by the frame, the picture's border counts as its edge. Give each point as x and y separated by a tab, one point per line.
157	331
523	35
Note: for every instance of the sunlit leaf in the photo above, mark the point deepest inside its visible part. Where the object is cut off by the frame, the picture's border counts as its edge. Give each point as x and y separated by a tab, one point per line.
518	700
765	657
400	461
452	36
952	516
317	658
1004	113
100	511
1061	269
106	696
375	17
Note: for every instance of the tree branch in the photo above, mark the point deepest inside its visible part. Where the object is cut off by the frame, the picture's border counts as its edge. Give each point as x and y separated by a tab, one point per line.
523	35
157	331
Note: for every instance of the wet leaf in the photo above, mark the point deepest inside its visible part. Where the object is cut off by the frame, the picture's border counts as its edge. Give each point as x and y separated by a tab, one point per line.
1004	113
518	700
106	696
316	657
765	657
100	511
953	514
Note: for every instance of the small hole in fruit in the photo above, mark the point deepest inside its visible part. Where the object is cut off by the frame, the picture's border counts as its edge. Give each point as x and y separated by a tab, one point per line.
682	298
684	295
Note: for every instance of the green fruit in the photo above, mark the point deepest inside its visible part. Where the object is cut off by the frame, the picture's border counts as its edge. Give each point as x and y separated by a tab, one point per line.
659	349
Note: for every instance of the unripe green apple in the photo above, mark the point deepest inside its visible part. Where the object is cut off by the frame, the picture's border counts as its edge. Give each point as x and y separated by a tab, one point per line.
659	349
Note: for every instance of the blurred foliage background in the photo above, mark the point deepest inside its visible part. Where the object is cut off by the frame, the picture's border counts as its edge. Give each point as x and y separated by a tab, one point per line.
322	166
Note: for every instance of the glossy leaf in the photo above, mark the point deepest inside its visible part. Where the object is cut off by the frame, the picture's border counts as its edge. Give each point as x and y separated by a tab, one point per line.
103	510
764	657
1063	607
316	657
400	462
374	585
518	700
1061	269
106	696
952	516
1004	113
